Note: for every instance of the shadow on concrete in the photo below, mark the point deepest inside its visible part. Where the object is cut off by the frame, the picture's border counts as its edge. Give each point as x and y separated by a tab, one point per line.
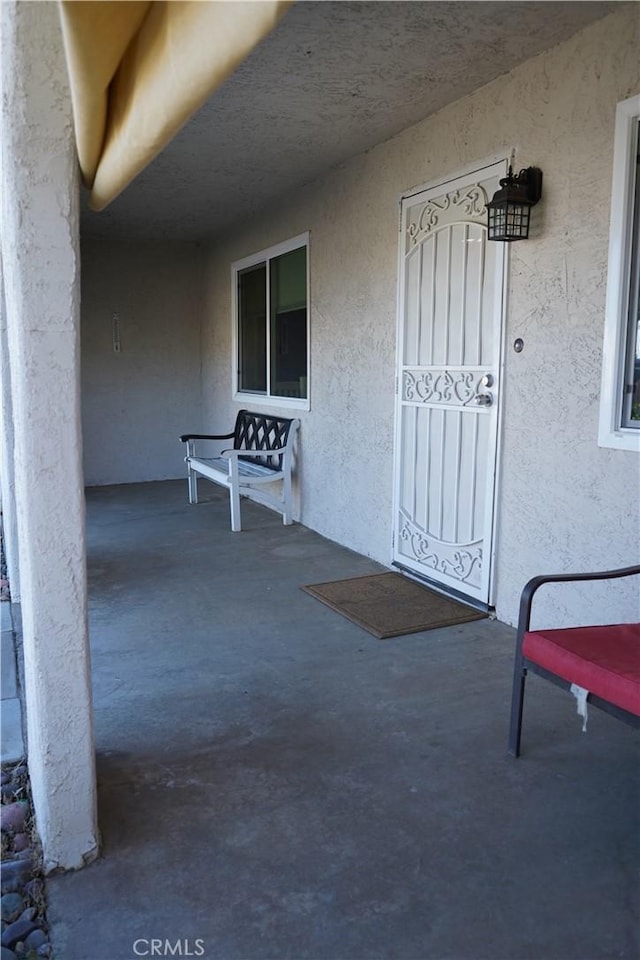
276	783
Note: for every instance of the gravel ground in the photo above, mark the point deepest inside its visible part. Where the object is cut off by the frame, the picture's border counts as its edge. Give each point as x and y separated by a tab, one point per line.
22	903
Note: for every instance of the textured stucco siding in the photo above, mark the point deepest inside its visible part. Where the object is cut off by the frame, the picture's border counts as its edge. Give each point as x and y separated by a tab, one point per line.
564	503
136	403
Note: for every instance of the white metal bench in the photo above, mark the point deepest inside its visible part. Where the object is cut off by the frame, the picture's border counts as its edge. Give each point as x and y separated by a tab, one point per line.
262	455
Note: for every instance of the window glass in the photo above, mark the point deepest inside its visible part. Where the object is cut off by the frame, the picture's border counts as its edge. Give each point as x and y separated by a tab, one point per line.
252	329
631	401
619	421
272	323
288	341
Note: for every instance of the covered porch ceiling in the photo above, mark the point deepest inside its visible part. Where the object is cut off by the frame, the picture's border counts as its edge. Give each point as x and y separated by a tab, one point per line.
331	81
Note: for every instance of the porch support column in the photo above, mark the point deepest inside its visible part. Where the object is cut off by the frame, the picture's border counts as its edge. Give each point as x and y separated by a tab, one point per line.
40	247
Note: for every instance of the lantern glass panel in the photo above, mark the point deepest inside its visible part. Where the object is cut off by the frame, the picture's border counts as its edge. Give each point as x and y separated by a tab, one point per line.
509	221
518	221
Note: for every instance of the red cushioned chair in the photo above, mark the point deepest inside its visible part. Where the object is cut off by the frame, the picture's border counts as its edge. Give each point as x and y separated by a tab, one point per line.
605	660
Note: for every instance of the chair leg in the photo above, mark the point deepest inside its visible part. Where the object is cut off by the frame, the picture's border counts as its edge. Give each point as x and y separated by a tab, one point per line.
517	703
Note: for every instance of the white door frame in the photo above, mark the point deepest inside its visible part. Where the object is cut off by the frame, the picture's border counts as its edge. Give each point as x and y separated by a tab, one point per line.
501	163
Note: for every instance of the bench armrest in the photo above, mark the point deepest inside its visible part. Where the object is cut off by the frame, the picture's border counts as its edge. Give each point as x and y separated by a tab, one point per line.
526	597
205	436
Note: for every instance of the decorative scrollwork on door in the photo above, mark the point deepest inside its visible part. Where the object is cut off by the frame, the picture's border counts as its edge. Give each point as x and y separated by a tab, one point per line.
470	202
451	387
462	562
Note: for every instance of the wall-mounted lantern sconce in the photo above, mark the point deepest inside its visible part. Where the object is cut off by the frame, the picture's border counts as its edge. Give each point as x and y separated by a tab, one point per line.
509	210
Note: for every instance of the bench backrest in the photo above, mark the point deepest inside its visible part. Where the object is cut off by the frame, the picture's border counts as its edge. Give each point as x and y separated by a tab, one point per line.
258	431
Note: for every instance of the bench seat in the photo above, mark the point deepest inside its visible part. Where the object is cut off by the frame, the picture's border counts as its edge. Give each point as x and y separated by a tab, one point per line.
217	469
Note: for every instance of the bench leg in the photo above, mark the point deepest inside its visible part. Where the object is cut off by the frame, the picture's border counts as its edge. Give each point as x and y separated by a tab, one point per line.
192	480
517	703
234	497
286	499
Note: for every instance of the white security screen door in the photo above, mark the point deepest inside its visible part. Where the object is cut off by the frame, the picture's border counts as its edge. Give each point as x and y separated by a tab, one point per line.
448	384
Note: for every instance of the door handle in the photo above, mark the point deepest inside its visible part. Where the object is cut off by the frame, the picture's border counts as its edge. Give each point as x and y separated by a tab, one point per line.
483	399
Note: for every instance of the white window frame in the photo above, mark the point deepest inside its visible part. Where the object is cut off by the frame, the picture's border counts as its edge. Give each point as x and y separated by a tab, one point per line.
267	399
611	432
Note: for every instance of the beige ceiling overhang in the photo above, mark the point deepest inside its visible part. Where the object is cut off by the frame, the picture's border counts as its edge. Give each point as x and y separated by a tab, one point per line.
138	70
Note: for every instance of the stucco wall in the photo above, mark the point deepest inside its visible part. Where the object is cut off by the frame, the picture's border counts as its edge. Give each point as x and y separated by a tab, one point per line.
564	503
136	403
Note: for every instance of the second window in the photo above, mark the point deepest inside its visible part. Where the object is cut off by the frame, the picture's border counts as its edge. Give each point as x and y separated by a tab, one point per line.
271	318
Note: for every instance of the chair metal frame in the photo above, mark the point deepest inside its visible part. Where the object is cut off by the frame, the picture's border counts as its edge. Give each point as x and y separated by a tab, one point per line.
522	664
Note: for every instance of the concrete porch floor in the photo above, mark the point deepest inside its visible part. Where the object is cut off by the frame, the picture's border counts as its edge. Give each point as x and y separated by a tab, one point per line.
276	783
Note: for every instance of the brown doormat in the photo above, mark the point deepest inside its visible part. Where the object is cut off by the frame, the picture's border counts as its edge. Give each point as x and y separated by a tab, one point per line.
390	605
